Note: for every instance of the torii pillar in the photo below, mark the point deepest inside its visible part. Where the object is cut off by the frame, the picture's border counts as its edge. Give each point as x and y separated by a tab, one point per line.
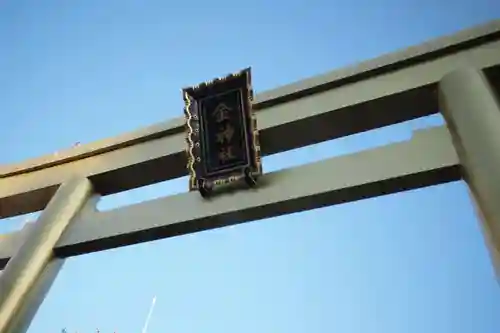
472	112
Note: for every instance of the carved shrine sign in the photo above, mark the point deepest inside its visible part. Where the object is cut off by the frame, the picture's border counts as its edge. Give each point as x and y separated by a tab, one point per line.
222	136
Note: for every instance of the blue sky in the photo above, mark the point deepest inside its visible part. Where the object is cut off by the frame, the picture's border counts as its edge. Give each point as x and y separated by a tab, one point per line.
84	70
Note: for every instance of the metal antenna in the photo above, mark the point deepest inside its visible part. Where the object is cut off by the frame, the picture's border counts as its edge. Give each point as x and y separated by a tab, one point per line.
148	318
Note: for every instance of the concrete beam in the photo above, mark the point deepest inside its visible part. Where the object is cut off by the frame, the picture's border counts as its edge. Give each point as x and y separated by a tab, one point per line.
427	159
431	50
384	91
11	242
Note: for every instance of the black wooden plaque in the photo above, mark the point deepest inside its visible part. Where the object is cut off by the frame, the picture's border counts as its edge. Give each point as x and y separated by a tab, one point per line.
222	136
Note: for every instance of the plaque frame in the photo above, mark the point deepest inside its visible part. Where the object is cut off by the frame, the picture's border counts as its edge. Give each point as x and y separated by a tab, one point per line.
234	90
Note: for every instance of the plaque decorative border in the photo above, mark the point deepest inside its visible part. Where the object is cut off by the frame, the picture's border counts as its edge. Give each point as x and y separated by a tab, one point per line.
233	96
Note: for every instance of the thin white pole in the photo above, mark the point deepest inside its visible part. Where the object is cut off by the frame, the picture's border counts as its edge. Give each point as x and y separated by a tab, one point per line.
148	318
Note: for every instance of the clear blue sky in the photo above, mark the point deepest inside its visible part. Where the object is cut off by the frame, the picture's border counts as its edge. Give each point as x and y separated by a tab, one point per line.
83	70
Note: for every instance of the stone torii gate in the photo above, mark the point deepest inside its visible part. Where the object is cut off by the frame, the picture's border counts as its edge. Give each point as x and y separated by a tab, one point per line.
458	75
